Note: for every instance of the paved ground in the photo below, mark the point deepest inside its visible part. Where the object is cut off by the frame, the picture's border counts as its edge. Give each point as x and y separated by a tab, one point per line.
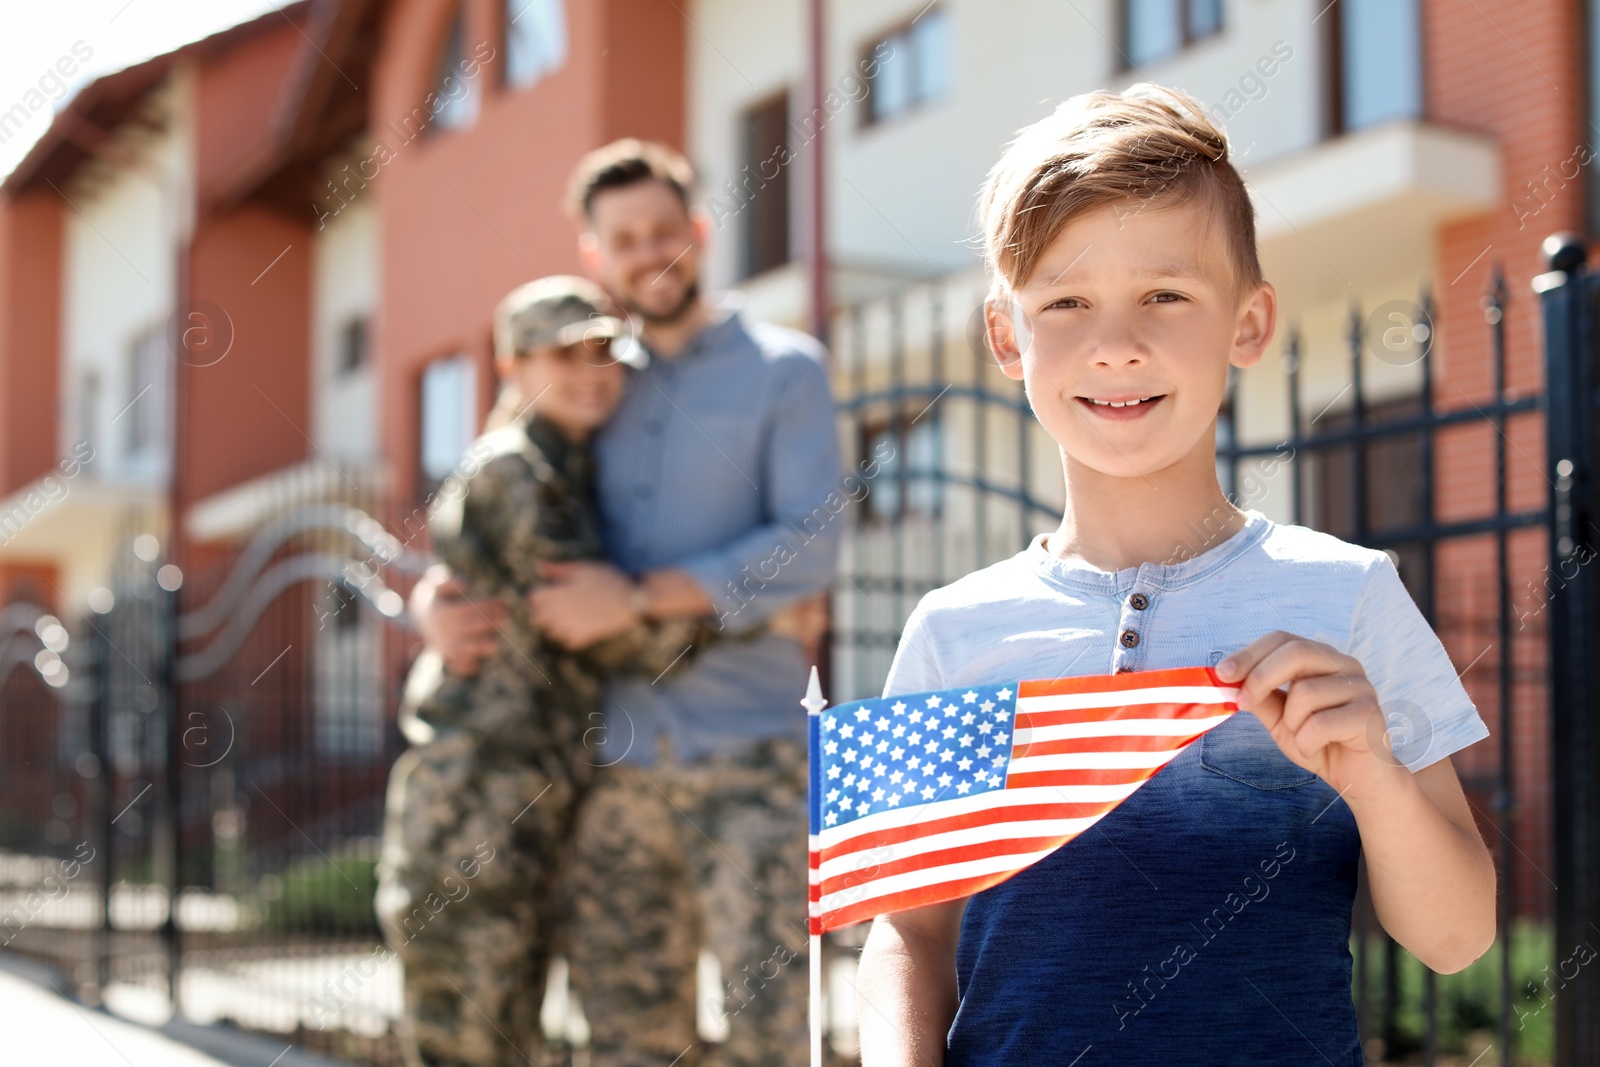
44	1029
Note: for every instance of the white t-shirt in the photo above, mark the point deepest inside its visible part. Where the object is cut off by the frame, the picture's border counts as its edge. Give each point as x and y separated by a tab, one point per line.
1038	616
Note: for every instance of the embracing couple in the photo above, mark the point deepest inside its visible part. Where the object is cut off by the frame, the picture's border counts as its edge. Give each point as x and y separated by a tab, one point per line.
607	752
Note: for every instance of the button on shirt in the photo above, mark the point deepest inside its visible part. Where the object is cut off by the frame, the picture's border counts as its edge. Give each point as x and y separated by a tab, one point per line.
720	461
1205	919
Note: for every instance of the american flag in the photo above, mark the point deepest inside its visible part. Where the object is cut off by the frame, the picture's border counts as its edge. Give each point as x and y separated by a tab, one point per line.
927	797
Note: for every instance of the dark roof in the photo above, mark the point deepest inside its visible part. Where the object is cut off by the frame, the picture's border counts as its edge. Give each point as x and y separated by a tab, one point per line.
115	99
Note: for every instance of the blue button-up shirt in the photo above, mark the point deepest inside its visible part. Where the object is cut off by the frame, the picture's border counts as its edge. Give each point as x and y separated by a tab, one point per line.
722	461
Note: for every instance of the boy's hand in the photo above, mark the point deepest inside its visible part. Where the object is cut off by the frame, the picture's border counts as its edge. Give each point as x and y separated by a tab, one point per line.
1328	721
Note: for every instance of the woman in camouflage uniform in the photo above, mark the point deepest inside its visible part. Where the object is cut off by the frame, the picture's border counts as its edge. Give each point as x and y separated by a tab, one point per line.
480	809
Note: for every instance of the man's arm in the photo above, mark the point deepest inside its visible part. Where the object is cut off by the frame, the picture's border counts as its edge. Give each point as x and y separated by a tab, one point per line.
906	987
795	552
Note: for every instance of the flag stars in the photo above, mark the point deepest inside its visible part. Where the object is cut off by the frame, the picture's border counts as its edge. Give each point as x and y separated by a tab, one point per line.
963	763
963	787
833	772
849	779
931	747
877	794
863	714
900	709
987	705
969	697
866	740
946	756
950	711
944	781
896	776
1004	694
850	755
1001	737
882	724
883	746
832	818
983	751
916	737
894	800
829	722
899	730
998	761
915	716
831	747
847	731
949	732
966	740
833	796
932	702
985	727
927	793
896	752
863	807
966	720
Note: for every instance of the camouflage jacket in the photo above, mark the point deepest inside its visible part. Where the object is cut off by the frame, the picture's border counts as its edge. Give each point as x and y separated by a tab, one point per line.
522	494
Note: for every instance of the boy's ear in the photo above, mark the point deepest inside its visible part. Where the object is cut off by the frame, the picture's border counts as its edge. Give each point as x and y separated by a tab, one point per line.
1004	335
1258	317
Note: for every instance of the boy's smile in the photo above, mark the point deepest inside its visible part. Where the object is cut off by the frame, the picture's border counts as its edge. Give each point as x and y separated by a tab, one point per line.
1124	333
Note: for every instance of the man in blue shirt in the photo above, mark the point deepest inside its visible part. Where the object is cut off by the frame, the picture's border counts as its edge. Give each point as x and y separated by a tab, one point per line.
720	489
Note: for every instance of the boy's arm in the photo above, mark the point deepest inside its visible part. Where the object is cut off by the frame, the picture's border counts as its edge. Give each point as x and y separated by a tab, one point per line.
906	987
1432	879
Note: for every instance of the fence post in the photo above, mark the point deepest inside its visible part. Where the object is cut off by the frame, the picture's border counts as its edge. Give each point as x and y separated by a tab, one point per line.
1575	739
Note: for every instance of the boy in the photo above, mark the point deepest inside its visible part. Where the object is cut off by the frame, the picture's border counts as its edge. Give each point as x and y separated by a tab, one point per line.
1206	920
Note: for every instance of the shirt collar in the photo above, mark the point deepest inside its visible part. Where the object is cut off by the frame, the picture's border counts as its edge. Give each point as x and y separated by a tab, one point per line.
727	322
1084	576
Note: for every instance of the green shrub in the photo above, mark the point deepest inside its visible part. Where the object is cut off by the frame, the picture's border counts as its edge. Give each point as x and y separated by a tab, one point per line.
1469	1000
320	895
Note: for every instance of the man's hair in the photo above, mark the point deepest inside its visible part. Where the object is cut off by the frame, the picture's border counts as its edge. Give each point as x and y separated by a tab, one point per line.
1149	146
623	163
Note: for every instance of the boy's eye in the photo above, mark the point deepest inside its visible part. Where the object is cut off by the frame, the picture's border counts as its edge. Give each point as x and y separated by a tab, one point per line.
1167	298
1066	301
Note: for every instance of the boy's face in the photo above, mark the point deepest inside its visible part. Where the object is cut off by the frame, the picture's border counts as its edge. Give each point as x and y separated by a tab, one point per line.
575	387
1124	306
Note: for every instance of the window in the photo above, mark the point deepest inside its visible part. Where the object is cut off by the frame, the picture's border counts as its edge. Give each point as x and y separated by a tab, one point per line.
910	67
536	39
1155	29
144	411
1376	62
353	345
908	457
764	178
456	105
89	414
449	415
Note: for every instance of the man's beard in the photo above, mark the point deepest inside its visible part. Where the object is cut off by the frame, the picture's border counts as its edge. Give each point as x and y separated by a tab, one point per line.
690	295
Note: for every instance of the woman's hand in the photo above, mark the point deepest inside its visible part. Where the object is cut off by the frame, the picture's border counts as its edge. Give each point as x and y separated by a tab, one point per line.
462	631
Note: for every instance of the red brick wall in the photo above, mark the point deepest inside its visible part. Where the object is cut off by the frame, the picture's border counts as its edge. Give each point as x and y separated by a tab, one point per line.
1511	70
30	336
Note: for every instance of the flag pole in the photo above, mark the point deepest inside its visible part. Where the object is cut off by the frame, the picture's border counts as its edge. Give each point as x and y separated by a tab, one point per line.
814	702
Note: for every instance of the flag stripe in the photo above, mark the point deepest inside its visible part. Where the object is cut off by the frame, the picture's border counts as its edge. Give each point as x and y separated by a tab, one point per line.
1007	798
1115	728
930	876
891	859
845	914
981	817
1123	683
1044	714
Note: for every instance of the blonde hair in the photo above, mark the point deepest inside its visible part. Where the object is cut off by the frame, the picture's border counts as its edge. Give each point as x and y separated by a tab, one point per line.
1148	144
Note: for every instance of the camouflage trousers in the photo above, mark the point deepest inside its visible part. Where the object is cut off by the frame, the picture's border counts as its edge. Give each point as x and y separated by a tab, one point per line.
474	846
678	855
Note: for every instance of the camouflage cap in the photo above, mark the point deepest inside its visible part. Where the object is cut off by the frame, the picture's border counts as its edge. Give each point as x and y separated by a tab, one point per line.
555	311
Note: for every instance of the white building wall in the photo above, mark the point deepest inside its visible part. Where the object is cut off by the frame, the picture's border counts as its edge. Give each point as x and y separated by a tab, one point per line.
344	287
123	230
